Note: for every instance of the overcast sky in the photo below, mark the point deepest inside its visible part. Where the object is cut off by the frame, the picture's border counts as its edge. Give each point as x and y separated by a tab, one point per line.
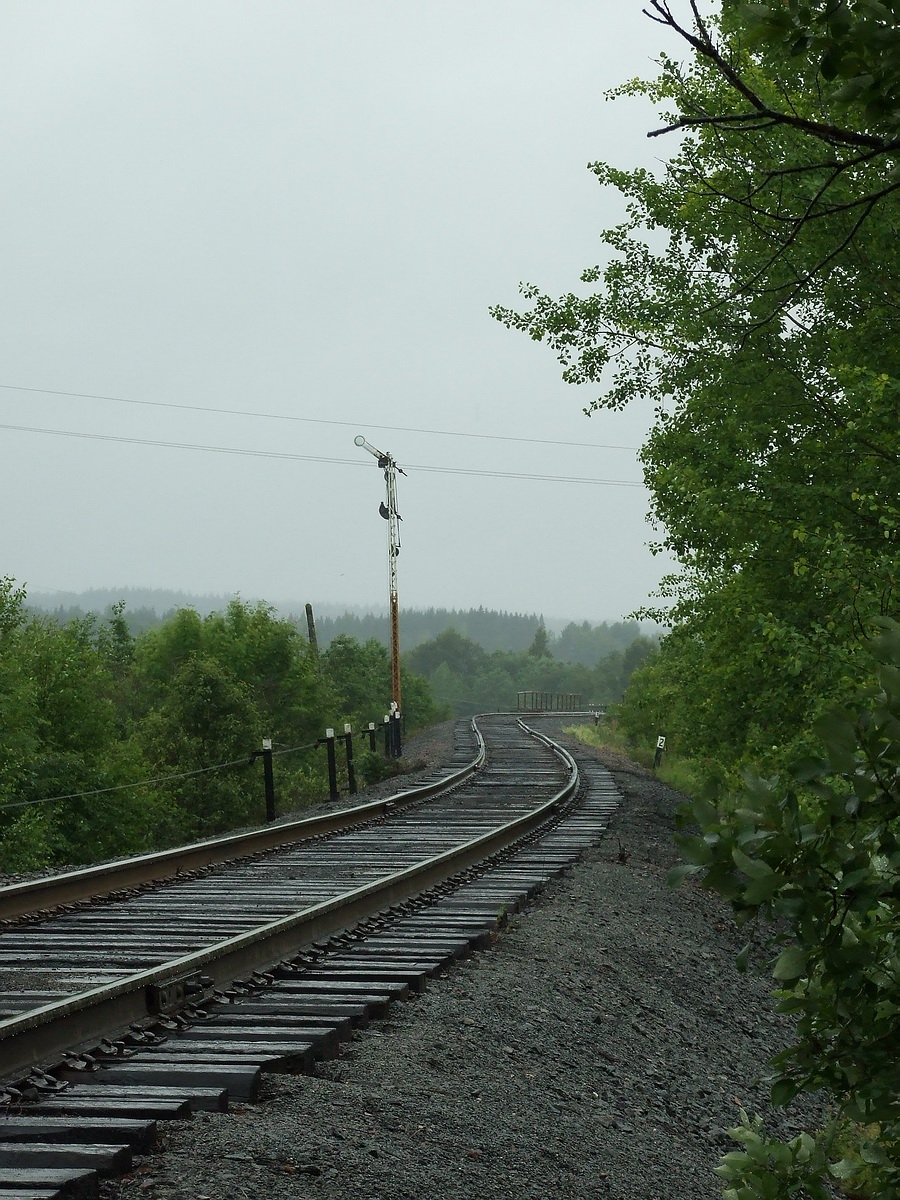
306	209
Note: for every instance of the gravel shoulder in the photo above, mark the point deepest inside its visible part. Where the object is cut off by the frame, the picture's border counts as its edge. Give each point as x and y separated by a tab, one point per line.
600	1049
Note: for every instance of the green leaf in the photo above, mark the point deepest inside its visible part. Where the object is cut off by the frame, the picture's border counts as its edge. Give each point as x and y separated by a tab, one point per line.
791	963
694	850
761	890
845	1169
754	867
783	1092
830	63
679	873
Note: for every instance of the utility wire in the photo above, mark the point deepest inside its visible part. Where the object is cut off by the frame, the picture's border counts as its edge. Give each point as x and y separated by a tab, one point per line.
296	749
239	412
122	787
347	462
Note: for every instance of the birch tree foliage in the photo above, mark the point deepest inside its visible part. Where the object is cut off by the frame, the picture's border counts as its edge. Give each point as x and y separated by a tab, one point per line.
854	45
768	345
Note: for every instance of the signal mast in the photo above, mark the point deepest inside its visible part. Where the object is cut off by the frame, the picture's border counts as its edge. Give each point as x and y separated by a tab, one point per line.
393	518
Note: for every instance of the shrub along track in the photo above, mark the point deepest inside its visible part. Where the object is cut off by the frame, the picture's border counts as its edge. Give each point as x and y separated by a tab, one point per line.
440	874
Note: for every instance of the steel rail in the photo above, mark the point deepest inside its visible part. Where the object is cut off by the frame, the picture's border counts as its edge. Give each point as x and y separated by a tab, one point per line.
43	1034
53	891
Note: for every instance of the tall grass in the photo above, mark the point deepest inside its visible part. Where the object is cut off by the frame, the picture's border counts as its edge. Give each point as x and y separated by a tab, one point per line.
683	774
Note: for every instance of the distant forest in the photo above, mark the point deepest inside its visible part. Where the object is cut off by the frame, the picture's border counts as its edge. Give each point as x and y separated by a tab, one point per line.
125	730
512	632
115	744
145	609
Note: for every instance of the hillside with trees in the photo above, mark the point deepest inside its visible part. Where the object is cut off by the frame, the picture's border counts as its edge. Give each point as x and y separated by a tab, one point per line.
471	679
145	608
491	630
87	710
90	705
752	295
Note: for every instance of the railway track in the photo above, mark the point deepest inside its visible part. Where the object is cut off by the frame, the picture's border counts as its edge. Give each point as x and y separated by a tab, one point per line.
178	996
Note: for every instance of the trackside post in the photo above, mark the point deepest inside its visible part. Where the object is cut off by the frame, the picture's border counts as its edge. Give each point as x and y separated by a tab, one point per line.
268	777
332	765
348	748
660	746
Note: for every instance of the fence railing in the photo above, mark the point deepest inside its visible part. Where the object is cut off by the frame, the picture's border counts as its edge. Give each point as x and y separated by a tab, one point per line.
391	737
548	702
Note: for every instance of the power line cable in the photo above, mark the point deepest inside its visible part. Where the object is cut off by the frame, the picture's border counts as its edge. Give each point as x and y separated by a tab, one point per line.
123	787
346	462
296	749
239	412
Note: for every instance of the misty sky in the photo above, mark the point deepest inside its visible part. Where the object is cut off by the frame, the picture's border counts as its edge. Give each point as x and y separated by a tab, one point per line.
306	209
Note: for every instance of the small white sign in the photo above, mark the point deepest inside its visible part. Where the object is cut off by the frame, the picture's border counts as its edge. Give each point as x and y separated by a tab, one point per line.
660	743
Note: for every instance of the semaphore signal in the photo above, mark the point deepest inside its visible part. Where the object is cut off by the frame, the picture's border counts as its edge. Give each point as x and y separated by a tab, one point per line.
389	512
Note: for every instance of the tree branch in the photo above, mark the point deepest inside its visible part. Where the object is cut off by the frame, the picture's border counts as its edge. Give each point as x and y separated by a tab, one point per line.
703	43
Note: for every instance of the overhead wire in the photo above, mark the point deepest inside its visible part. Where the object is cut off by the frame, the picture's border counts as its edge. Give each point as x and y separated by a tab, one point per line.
123	787
246	761
239	412
289	457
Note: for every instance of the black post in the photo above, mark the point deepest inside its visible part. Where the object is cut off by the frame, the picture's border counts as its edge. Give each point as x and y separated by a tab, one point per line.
348	747
398	734
268	778
660	746
387	736
372	736
332	765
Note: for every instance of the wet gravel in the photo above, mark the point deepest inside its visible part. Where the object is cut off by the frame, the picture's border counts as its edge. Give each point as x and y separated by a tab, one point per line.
600	1049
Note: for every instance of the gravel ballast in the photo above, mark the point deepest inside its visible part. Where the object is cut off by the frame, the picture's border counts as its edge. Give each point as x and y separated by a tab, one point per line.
600	1048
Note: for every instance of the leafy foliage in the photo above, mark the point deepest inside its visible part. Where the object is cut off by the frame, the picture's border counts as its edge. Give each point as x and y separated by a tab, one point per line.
815	854
86	709
775	372
360	676
751	295
472	680
852	44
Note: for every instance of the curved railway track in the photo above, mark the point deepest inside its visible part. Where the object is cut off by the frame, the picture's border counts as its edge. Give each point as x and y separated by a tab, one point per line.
179	994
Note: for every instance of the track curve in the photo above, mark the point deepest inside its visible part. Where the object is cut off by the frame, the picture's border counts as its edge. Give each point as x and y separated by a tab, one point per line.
439	874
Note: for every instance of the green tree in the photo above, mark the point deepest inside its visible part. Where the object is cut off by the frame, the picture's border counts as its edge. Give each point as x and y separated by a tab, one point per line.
751	295
461	655
811	862
269	656
851	45
773	463
540	645
844	53
61	689
263	652
360	676
208	717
